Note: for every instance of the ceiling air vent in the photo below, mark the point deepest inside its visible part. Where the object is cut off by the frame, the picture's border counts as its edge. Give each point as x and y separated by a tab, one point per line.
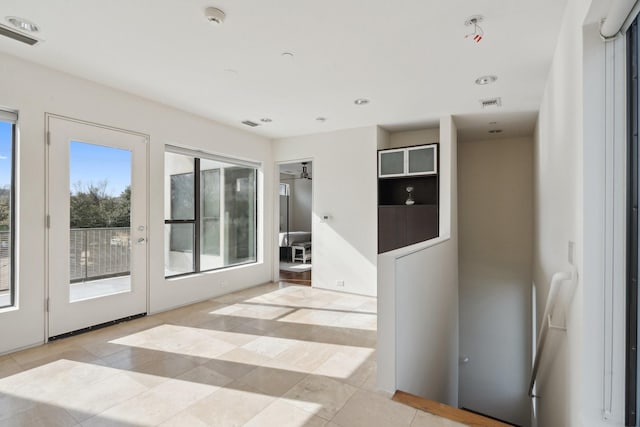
8	32
250	123
493	102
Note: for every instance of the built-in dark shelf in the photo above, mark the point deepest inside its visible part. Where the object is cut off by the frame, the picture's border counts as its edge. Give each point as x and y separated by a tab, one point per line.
400	224
393	191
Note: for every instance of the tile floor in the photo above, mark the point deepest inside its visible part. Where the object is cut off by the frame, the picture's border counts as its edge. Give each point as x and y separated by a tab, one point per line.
275	355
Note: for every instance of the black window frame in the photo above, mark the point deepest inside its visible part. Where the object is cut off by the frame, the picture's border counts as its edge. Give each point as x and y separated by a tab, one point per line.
633	188
197	216
195	221
12	212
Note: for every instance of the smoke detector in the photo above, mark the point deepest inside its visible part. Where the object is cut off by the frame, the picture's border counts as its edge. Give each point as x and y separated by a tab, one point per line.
214	15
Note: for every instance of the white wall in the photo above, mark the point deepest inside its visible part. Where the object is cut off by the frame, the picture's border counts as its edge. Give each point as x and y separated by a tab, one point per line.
33	90
345	247
417	346
427	322
558	220
495	196
605	231
383	138
413	137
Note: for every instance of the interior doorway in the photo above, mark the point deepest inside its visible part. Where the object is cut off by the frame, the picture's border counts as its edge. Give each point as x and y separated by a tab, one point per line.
294	237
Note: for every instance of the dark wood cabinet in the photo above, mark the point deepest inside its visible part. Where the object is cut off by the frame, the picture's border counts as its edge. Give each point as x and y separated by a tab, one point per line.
403	225
400	224
391	228
421	222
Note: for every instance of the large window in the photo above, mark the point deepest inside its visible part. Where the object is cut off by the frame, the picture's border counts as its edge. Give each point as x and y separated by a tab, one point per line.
633	196
7	219
210	212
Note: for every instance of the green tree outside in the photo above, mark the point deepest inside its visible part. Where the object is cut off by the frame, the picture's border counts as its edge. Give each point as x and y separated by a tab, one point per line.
5	208
93	207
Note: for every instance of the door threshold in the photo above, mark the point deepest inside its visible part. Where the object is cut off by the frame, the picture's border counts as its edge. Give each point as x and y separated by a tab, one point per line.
95	327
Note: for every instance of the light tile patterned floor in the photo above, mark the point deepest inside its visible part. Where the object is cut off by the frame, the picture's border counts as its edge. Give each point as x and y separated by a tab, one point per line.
274	355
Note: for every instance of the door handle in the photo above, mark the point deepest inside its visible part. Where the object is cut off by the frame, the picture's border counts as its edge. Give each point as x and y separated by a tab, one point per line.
141	240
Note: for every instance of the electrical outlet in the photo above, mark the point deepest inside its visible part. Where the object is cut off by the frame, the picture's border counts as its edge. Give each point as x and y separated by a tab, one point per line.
340	283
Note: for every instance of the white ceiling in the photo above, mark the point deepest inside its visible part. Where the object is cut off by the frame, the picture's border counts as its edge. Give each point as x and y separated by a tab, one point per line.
409	57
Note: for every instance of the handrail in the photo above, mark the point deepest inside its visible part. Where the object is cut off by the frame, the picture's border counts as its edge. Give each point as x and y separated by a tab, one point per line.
554	288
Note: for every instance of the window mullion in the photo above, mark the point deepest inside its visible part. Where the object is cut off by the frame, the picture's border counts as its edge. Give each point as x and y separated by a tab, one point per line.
197	214
12	213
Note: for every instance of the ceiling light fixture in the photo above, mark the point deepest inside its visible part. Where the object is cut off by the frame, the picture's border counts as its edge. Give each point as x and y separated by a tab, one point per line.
361	101
478	33
485	80
288	55
214	15
22	24
305	172
266	120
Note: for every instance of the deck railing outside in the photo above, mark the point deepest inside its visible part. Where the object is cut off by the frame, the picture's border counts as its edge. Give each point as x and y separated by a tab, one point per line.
5	261
96	253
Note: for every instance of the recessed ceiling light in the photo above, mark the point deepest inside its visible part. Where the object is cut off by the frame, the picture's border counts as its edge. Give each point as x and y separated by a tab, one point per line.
22	24
495	131
321	119
214	15
485	80
361	101
266	120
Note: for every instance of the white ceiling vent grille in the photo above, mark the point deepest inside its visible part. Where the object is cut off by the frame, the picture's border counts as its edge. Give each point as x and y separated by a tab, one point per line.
15	35
493	102
250	123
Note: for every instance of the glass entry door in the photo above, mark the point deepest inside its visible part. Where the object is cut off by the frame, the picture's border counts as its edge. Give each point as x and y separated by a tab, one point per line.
97	223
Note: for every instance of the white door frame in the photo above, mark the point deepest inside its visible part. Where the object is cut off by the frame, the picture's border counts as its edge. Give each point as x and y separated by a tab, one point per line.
276	210
48	118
